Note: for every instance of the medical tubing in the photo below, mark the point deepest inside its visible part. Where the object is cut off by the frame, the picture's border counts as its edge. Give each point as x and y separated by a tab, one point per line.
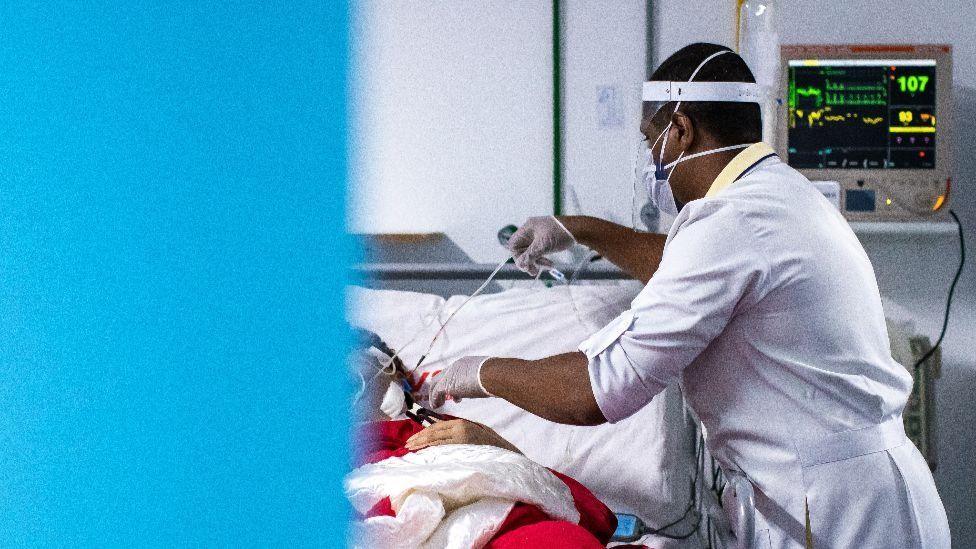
465	302
390	367
952	290
393	358
391	364
383	348
581	266
641	160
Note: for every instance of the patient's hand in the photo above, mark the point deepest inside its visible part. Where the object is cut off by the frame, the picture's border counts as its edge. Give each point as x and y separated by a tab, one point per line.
458	431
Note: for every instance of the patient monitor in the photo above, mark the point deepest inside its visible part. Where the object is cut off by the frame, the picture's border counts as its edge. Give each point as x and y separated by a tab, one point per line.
870	125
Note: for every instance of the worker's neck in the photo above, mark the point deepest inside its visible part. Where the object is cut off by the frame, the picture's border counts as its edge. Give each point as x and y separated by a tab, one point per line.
699	174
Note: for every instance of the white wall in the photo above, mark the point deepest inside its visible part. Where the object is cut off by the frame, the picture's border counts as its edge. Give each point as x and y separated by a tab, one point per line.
916	271
604	57
452	115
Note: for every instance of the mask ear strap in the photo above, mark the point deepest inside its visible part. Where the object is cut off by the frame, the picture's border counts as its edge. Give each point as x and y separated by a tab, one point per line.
651	150
674	164
671	122
678	105
711	151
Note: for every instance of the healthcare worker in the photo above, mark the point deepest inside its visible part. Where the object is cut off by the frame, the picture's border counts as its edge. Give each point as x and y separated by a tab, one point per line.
762	303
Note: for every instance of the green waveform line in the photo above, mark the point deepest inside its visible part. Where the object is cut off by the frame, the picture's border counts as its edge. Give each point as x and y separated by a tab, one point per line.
855	99
810	92
841	86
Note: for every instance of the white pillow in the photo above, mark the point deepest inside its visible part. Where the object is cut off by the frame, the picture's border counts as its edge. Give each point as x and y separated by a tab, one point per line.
639	465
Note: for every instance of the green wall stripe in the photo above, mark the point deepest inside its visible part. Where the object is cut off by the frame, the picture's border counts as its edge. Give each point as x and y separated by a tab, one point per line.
557	146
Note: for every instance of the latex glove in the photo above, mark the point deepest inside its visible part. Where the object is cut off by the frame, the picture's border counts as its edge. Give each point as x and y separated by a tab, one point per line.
462	379
536	238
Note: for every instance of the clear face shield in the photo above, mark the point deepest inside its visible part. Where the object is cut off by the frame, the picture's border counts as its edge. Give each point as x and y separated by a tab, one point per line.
654	161
655	117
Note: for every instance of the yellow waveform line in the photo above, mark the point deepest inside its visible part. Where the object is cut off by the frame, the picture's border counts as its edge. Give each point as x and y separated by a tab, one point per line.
814	115
834	118
911	129
873	121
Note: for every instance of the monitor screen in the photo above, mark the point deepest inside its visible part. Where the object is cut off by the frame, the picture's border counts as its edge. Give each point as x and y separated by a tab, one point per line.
861	113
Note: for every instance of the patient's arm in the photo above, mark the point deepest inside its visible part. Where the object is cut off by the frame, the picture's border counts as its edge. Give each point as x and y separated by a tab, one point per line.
639	254
458	431
556	388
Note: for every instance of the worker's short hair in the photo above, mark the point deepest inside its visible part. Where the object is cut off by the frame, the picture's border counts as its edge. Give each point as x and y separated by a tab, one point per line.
729	123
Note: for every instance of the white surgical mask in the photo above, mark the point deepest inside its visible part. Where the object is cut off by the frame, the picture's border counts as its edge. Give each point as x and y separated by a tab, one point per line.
656	176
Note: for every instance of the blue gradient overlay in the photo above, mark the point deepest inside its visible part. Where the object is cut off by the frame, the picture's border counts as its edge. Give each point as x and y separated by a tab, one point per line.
172	259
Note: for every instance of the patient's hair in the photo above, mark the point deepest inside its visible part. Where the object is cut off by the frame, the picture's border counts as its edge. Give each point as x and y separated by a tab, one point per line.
730	123
365	339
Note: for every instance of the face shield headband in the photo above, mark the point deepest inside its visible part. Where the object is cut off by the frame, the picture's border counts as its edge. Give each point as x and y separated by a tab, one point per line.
662	92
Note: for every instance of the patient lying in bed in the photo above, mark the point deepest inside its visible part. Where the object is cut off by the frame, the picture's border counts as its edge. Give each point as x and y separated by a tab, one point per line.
456	483
379	400
642	465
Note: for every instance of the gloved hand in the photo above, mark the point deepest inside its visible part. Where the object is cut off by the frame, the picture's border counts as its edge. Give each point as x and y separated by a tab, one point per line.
462	379
536	238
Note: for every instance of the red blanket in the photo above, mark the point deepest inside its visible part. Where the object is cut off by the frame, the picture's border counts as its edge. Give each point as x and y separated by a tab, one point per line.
526	525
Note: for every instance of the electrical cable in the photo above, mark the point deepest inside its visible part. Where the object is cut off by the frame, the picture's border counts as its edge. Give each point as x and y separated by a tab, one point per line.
699	466
952	290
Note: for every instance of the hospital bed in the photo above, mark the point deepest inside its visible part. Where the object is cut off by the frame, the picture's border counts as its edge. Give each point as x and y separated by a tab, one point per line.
688	501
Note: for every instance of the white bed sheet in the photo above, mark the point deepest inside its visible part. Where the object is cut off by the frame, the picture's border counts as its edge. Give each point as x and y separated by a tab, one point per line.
638	466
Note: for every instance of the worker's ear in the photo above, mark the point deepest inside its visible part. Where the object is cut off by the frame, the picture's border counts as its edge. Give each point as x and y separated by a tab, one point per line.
686	131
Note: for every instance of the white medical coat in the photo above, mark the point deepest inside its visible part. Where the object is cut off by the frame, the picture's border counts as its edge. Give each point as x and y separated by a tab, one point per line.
765	307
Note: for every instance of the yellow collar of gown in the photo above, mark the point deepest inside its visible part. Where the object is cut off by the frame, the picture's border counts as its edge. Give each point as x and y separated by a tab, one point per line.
742	161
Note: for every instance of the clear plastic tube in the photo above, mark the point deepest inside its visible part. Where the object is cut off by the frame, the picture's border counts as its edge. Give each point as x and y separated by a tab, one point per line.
758	44
466	301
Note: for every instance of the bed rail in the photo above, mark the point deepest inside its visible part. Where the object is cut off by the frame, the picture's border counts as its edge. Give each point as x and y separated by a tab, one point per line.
476	271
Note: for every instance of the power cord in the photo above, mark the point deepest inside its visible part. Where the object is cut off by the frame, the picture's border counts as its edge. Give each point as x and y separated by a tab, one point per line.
952	290
692	504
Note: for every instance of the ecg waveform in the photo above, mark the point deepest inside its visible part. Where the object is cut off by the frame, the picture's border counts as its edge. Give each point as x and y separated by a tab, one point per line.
839	94
878	99
827	116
